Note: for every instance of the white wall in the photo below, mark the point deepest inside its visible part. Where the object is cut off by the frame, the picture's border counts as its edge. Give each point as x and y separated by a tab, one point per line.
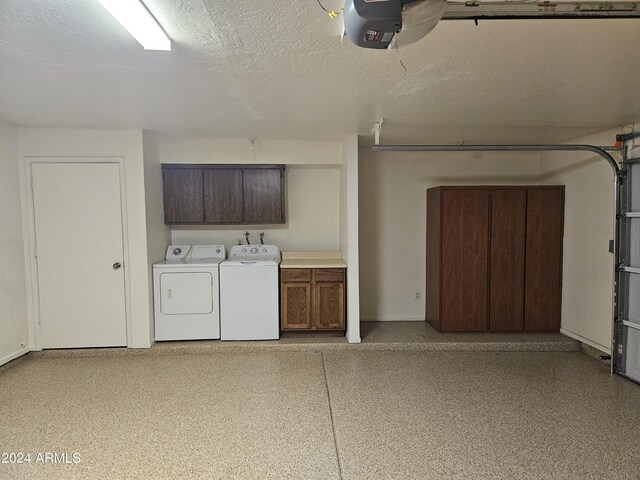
158	234
393	218
14	325
349	241
312	216
127	144
312	195
213	150
321	199
587	280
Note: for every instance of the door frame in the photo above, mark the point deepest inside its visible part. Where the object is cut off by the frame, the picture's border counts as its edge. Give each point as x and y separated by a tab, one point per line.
33	293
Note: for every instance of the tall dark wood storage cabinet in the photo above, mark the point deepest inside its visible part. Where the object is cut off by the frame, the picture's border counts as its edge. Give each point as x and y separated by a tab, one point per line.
494	258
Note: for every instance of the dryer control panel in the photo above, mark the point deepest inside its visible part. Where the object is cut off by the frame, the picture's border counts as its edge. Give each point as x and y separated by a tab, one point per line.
200	253
178	253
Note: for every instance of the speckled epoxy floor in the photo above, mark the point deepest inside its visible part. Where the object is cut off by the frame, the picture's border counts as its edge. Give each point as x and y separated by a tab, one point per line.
387	336
326	415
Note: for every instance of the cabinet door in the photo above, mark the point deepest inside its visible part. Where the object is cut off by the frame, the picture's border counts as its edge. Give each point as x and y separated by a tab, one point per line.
465	245
263	193
506	287
296	306
290	275
543	277
434	264
183	195
222	195
329	306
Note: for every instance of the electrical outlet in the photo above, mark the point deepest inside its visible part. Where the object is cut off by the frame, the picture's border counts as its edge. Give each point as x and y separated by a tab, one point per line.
418	295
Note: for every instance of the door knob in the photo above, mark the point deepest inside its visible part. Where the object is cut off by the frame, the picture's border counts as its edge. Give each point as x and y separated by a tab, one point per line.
116	265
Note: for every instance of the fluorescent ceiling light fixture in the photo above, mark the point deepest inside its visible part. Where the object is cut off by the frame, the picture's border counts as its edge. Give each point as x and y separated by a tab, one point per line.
134	16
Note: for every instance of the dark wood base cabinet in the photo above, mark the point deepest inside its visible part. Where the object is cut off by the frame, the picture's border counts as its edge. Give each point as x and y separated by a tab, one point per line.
494	258
312	299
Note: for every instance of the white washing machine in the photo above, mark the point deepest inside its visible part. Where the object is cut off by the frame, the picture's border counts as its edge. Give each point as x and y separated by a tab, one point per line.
186	294
249	293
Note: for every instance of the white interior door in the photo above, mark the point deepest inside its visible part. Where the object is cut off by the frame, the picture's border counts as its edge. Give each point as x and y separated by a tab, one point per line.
79	252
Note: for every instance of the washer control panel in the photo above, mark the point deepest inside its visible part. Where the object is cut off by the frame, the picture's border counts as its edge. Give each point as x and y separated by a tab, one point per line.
254	252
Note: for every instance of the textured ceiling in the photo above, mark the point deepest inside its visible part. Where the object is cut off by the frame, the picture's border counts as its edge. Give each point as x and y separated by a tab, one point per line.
277	69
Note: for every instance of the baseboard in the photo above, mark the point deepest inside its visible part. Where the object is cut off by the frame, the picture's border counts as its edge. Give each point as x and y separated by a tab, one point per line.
393	319
596	353
13	356
586	341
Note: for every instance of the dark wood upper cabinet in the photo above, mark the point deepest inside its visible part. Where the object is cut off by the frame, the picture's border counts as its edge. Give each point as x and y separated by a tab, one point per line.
494	258
183	196
223	194
262	194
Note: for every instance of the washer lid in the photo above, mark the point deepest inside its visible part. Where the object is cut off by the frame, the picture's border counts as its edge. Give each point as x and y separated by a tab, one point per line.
250	262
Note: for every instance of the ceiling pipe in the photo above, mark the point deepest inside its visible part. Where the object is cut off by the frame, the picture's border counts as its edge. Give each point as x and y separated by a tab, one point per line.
502	148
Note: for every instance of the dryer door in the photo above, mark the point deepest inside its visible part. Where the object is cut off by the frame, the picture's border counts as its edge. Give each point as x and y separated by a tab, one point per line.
186	293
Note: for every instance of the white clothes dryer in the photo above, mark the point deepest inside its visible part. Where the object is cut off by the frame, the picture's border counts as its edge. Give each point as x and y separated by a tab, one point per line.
187	293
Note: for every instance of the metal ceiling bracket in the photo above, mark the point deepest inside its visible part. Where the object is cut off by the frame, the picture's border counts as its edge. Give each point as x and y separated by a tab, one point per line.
377	128
625	137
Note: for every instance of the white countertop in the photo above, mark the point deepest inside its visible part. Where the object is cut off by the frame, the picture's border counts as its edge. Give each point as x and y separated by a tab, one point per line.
312	260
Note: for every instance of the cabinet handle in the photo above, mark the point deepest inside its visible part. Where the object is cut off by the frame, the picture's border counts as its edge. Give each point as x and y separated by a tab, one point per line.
116	266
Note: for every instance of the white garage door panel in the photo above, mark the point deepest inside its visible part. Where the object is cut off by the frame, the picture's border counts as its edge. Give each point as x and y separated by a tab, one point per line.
78	229
631	258
633	354
633	173
186	293
633	298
